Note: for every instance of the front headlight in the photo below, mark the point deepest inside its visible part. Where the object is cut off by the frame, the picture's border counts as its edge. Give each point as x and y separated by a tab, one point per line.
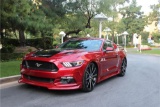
72	64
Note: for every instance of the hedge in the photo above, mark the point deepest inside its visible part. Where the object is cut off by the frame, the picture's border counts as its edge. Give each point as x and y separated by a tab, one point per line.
45	43
11	56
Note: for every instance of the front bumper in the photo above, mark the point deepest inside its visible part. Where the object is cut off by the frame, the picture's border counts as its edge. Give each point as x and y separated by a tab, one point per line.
51	86
52	80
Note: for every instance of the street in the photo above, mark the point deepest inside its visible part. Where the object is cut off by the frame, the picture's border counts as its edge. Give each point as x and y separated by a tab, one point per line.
140	87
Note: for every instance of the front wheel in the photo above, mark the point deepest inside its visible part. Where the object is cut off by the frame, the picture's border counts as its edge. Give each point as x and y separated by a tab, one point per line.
90	77
123	67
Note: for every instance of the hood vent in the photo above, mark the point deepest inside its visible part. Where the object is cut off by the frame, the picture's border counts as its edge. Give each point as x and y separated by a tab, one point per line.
69	53
46	53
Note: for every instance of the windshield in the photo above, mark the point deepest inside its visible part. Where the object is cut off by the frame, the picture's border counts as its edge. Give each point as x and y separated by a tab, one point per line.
89	45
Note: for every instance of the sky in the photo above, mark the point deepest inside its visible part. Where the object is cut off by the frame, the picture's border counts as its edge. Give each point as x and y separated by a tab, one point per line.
146	4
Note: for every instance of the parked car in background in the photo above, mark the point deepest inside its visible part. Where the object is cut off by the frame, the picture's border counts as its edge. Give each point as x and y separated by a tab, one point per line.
79	63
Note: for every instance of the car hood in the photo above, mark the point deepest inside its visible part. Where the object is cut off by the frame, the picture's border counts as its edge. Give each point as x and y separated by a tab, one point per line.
59	53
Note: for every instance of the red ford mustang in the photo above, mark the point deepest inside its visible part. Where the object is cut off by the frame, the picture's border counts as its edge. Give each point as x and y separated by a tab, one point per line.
78	63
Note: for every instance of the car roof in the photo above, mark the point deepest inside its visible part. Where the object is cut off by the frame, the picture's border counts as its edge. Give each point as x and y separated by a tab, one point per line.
91	38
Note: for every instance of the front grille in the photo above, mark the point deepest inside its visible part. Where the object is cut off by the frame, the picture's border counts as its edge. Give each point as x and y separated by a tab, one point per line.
40	79
39	65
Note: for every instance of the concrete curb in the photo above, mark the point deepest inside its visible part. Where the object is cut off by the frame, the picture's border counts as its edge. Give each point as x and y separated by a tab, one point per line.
9	79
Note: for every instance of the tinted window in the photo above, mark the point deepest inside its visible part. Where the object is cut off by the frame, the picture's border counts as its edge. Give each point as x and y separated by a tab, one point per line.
107	44
89	45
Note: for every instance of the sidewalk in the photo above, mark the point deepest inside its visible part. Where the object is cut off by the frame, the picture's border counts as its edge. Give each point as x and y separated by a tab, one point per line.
9	79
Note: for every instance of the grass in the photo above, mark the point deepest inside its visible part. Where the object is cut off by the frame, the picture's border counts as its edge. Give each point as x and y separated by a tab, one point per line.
152	51
9	68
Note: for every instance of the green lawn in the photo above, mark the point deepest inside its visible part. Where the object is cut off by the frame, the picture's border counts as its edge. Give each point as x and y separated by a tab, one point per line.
153	51
10	68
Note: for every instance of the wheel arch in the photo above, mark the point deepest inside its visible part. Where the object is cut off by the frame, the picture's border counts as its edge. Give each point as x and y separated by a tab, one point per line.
125	59
97	66
84	87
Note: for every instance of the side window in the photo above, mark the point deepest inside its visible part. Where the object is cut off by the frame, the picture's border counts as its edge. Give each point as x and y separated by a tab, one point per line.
107	44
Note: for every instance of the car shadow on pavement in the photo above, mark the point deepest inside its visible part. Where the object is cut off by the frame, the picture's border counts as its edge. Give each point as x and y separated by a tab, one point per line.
23	88
26	87
106	81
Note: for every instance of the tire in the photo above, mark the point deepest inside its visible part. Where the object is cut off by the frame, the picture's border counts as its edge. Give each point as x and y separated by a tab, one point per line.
90	77
123	68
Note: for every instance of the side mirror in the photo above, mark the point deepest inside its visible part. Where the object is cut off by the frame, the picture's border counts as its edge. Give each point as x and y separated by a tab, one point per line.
109	49
115	46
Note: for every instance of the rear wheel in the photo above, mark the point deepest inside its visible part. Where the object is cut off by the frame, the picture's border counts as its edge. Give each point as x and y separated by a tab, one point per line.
123	67
90	77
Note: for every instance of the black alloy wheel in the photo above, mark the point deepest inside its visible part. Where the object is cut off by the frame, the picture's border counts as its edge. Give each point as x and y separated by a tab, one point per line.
90	77
123	67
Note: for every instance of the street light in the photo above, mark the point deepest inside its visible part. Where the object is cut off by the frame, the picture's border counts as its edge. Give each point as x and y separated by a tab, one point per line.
116	34
125	33
62	34
100	17
107	30
117	38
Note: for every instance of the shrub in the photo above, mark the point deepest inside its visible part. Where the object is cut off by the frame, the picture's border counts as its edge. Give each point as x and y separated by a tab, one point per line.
156	37
7	49
13	42
29	50
55	43
45	43
144	37
11	56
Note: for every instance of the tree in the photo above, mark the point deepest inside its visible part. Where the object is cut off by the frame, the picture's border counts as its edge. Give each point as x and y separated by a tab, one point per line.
54	15
39	22
26	15
111	8
133	19
155	14
79	15
14	16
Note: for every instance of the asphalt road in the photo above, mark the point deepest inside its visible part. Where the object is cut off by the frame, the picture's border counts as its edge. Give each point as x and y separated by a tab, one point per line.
140	87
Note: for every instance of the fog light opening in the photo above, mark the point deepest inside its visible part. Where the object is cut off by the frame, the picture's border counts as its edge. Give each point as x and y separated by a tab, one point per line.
67	80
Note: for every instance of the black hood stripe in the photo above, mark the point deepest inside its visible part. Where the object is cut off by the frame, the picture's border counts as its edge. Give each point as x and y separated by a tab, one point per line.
47	53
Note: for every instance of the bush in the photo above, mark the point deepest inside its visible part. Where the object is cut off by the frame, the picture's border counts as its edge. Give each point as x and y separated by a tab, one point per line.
45	43
55	43
144	37
156	37
11	56
29	50
13	42
7	49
